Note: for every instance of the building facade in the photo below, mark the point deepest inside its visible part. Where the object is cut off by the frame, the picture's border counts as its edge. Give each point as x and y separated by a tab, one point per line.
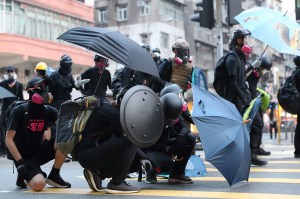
29	31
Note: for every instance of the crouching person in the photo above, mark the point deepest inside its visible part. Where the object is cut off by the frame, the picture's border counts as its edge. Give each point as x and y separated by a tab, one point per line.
28	139
104	151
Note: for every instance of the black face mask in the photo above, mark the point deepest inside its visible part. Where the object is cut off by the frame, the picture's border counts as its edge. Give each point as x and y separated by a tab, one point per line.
65	68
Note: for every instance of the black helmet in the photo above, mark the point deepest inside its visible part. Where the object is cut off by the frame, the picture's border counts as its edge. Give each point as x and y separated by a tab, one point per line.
170	88
240	33
266	62
36	80
297	60
97	58
65	59
172	105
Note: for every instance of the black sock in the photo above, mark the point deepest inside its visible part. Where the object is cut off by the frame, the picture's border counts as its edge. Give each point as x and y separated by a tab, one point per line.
54	171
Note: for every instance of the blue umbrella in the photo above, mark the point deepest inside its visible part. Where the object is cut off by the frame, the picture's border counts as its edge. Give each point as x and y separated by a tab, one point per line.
224	137
273	28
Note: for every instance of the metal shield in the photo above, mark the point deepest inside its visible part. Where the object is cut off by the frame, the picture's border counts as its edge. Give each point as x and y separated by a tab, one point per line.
142	116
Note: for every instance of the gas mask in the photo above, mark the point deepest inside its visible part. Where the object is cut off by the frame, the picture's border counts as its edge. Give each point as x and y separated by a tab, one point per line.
182	56
10	77
246	46
41	97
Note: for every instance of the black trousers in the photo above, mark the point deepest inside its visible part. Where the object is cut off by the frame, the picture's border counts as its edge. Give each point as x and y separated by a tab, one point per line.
256	131
297	136
112	158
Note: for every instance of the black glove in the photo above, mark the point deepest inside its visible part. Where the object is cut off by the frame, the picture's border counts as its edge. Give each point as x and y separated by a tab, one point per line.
121	94
22	168
175	146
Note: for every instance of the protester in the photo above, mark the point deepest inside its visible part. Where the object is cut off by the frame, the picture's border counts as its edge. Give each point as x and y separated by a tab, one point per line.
100	78
237	90
253	74
273	120
155	53
11	84
29	143
105	152
62	82
41	70
175	146
297	130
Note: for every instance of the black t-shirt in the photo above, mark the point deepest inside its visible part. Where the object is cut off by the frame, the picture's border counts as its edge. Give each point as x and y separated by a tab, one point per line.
30	121
94	75
61	86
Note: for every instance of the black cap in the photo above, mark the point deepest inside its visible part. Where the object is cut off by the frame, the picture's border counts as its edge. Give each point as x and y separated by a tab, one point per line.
10	68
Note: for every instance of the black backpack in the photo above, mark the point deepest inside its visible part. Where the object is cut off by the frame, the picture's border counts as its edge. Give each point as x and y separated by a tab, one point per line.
10	108
221	77
72	118
288	96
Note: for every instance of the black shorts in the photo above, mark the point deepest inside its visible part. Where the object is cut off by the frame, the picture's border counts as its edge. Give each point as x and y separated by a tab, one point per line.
43	155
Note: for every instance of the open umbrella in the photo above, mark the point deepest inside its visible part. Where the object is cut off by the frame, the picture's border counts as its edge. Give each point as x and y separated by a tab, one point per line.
273	28
224	137
113	45
4	93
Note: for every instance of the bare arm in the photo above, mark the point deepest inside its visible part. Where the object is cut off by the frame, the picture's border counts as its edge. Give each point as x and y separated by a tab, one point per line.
47	134
9	140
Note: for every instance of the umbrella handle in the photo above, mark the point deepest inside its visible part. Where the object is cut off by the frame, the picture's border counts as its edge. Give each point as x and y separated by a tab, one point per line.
202	106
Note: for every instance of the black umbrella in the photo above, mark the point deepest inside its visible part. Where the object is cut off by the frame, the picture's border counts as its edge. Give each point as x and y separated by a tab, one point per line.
4	93
113	45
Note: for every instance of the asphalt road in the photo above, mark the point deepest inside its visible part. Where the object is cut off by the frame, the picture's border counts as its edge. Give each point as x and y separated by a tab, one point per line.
280	178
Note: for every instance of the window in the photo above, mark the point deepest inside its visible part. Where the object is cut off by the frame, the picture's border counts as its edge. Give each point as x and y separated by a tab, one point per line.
8	16
144	8
170	11
164	40
122	13
19	19
102	15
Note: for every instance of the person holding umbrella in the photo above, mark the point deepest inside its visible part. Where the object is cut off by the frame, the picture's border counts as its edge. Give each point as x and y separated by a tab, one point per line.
253	74
297	130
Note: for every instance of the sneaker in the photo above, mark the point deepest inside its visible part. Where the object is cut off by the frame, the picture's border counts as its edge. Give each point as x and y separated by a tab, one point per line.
20	183
93	179
124	187
261	151
256	161
57	181
181	179
151	177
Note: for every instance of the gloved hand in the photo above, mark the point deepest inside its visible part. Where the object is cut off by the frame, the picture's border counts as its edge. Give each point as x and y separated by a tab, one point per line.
175	146
121	94
21	167
79	82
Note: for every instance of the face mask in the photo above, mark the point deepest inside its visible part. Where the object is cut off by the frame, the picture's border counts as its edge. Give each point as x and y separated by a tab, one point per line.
66	68
247	50
100	65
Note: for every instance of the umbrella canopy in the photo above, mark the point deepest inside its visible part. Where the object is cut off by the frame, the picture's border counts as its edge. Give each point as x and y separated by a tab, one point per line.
273	28
113	45
4	93
224	138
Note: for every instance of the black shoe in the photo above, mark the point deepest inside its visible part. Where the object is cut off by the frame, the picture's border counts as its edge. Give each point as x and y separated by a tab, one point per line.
124	187
56	181
93	179
257	161
151	177
20	183
181	179
261	151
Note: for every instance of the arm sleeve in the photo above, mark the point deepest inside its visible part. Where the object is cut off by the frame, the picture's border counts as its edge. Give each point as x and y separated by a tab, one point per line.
57	82
15	119
165	70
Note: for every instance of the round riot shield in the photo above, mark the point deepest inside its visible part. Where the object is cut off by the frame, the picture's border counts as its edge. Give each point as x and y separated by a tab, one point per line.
142	116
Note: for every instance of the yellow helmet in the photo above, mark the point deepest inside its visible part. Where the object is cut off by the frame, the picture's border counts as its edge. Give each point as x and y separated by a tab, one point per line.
41	66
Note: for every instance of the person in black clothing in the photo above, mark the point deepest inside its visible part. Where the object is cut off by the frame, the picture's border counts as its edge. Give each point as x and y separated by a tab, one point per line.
100	78
297	130
273	120
62	82
29	143
11	84
253	73
105	152
237	90
175	146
